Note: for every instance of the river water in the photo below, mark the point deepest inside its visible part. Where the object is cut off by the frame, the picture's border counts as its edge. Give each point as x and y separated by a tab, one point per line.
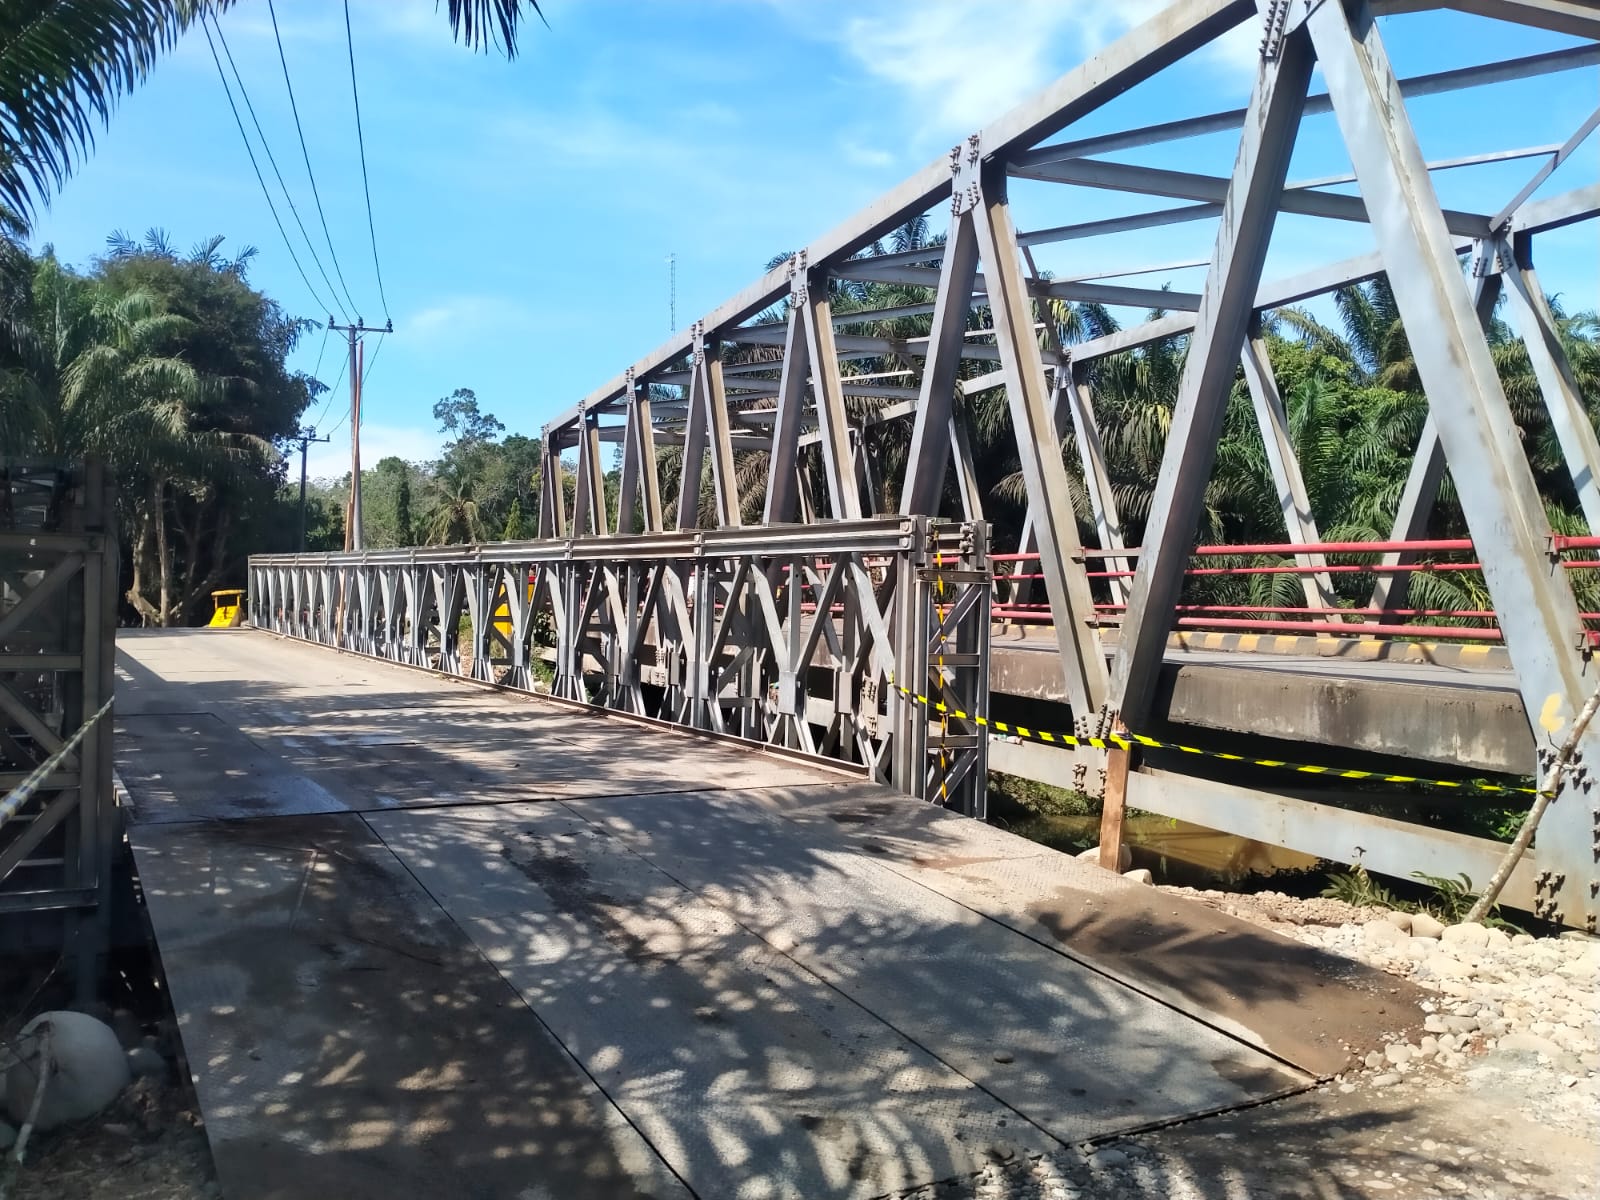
1175	851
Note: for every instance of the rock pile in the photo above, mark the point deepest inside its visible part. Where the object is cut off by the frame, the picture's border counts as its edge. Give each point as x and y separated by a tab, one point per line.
1504	1003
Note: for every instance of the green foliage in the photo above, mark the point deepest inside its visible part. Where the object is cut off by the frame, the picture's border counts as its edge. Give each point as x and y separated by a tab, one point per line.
514	531
62	69
1445	898
405	528
1356	887
171	370
1040	799
1452	898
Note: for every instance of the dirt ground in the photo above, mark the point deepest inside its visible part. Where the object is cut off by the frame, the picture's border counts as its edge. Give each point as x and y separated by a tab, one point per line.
150	1145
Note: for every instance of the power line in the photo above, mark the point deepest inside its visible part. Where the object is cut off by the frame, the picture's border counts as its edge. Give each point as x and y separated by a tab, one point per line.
321	350
244	94
267	195
306	154
361	145
340	425
366	371
332	392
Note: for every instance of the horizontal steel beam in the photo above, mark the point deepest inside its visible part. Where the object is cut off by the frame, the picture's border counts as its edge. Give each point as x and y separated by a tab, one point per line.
1213	189
1579	18
1433	84
872	535
1565	209
1395	848
1116	295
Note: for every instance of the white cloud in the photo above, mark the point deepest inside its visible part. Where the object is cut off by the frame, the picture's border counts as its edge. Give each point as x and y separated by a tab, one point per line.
477	312
865	156
331	460
963	62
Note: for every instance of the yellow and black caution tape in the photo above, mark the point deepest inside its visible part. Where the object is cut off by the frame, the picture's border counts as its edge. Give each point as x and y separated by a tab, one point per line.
1129	740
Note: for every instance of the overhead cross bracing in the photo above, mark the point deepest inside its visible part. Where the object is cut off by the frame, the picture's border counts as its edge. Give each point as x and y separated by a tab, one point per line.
768	374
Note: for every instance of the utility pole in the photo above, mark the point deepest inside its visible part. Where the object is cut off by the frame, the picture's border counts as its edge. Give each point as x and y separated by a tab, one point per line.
352	523
305	437
672	292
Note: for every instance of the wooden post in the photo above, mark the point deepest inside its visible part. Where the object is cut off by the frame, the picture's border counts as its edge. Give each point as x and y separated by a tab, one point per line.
1113	809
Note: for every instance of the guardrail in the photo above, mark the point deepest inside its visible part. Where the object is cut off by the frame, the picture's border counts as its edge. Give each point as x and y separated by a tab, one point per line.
713	630
58	579
1364	621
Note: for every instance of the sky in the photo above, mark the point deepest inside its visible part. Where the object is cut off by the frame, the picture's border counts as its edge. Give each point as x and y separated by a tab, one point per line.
525	212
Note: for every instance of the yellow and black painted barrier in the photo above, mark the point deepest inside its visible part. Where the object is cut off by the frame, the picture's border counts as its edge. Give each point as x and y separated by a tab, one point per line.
227	609
1128	741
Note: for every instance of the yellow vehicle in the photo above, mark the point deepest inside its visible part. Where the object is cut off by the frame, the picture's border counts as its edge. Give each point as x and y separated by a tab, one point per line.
228	609
501	617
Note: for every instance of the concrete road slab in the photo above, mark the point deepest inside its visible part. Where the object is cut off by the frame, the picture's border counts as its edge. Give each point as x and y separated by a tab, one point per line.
1077	1053
345	1038
752	1076
1301	1004
197	767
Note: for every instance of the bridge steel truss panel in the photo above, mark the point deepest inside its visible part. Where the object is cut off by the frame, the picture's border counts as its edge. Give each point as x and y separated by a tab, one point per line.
793	637
769	387
58	584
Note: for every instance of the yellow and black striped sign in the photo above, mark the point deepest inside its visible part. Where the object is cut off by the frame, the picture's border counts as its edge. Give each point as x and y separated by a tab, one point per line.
1130	740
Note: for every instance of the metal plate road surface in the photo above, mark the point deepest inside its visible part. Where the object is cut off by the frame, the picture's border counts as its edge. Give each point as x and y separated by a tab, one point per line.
617	990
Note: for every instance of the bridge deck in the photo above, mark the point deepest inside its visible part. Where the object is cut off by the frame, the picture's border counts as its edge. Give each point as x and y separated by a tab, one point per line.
424	938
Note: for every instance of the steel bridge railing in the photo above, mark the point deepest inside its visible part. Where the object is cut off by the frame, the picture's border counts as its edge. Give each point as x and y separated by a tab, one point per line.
1386	621
796	637
58	813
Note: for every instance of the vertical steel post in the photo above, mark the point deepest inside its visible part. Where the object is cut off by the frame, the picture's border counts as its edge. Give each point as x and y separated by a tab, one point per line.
1540	622
1573	427
1226	306
552	499
724	479
628	480
783	464
931	434
1284	464
693	472
844	493
1049	495
590	448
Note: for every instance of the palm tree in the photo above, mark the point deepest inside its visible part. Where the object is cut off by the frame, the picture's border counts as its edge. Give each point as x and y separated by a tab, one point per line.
456	516
63	67
90	377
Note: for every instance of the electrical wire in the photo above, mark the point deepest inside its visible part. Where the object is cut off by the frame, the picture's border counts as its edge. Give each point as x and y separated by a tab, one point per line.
267	195
340	425
332	392
244	95
306	155
366	370
321	350
361	145
366	373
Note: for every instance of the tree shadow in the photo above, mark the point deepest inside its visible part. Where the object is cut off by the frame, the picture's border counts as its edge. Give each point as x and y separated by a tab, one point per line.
800	987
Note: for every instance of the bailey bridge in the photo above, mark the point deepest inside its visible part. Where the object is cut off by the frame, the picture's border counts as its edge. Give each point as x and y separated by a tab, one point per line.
643	855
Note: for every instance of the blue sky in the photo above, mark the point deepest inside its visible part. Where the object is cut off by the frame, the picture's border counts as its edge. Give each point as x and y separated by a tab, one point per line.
525	210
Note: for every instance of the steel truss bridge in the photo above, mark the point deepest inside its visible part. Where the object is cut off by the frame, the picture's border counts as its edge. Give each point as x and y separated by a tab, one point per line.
799	614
